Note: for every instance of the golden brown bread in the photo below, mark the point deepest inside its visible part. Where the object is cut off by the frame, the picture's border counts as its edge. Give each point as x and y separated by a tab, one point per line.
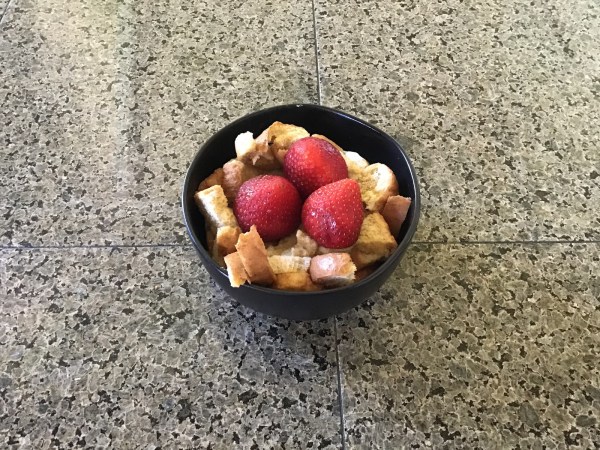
226	239
300	244
286	263
375	242
253	254
356	164
332	269
254	152
377	182
235	173
281	135
212	180
281	246
235	270
324	250
213	205
295	281
394	212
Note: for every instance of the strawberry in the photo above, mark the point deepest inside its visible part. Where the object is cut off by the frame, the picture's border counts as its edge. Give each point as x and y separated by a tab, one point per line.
333	214
271	203
311	163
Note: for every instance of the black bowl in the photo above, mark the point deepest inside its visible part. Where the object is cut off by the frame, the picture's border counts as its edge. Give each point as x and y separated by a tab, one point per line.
351	134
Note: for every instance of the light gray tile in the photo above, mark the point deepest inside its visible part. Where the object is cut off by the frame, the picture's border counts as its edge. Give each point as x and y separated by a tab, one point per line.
104	104
477	346
496	102
137	348
3	5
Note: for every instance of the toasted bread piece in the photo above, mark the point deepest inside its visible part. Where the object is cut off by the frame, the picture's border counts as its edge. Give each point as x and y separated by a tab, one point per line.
324	250
226	239
300	244
253	254
375	242
295	281
212	180
235	173
282	246
356	164
304	246
286	264
394	212
254	152
281	136
377	183
332	269
235	270
213	205
325	138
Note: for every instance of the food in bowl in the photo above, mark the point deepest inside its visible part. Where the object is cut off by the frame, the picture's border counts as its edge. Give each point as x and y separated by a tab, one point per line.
294	211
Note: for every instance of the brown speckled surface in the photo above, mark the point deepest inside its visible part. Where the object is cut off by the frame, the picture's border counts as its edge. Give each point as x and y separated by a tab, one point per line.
113	336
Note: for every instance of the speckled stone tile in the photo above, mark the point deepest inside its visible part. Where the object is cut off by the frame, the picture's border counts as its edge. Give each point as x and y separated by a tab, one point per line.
479	347
3	5
136	348
496	102
100	116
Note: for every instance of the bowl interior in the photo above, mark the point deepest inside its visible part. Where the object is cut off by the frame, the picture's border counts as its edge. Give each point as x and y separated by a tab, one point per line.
352	134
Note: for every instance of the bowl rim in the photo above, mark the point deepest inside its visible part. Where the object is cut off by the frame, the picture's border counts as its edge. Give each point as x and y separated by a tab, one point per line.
398	252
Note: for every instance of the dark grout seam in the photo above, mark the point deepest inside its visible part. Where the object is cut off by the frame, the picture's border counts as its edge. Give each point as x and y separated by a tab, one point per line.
77	247
524	242
339	385
5	11
317	63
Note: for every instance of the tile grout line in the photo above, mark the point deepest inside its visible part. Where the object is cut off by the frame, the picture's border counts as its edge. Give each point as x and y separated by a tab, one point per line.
317	64
116	246
92	246
335	330
339	385
5	11
515	242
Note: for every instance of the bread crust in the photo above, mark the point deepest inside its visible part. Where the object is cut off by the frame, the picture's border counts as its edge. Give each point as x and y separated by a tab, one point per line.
394	212
375	242
253	254
377	182
281	136
236	173
212	180
213	205
332	269
254	152
295	281
235	270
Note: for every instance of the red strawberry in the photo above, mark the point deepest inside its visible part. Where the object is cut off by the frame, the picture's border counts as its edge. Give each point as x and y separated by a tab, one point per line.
271	203
333	214
311	163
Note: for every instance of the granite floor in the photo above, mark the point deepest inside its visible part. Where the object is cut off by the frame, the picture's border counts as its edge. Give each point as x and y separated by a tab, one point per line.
112	335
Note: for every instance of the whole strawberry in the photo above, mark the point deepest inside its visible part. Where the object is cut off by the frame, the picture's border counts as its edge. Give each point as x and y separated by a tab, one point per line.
311	163
333	214
271	203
